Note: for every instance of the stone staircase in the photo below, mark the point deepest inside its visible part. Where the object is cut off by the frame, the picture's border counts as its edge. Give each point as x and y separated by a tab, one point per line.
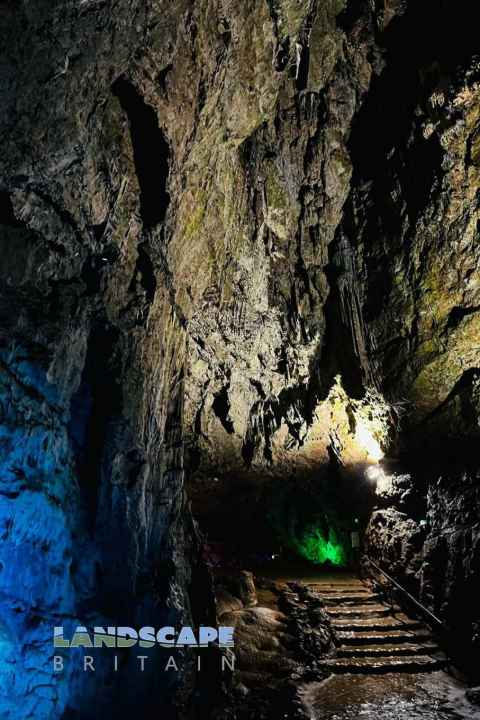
373	637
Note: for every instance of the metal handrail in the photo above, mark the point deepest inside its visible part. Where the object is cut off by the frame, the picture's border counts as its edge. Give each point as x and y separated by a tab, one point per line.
409	595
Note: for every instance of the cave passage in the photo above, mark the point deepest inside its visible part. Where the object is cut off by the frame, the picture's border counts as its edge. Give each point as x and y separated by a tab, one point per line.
240	354
293	523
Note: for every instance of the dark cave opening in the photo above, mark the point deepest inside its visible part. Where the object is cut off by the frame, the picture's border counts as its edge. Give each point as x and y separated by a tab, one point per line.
254	522
146	272
303	67
94	407
151	152
221	408
408	79
7	215
314	521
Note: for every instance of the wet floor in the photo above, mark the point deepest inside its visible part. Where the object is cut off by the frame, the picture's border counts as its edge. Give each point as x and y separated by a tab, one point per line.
403	696
393	696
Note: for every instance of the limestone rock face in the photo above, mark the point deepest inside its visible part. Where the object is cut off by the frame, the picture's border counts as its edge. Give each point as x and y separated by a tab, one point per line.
412	220
452	517
268	205
396	540
93	518
432	547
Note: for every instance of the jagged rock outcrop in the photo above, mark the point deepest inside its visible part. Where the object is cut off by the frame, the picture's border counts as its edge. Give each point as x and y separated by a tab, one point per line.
281	635
269	212
431	544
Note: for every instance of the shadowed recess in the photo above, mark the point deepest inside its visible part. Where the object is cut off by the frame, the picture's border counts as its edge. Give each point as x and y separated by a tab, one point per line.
150	151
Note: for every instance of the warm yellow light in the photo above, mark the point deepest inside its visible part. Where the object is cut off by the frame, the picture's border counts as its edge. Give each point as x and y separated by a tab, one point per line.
374	473
368	442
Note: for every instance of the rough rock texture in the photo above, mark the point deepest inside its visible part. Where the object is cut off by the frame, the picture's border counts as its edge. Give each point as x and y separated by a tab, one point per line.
270	203
207	213
93	518
280	641
432	546
474	695
412	218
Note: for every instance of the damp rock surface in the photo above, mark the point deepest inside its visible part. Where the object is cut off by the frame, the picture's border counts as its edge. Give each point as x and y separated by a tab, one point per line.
429	696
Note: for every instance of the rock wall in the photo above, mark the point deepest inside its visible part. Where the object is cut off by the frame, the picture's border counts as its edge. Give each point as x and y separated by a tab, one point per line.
93	518
271	201
412	218
428	538
347	246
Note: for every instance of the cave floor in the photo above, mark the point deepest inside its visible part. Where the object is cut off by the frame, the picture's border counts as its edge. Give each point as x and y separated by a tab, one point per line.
359	616
403	695
395	696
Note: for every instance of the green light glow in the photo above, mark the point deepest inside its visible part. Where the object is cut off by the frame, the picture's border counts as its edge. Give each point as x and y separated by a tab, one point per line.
317	549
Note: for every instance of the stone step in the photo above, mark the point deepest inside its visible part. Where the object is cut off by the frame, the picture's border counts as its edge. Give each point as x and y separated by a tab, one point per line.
397	622
387	664
349	598
379	637
407	648
325	588
356	611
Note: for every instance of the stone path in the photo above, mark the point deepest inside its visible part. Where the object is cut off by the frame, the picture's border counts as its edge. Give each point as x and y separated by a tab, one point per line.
387	666
393	696
374	637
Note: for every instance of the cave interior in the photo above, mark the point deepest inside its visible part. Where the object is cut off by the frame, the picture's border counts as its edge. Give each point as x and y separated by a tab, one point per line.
239	299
